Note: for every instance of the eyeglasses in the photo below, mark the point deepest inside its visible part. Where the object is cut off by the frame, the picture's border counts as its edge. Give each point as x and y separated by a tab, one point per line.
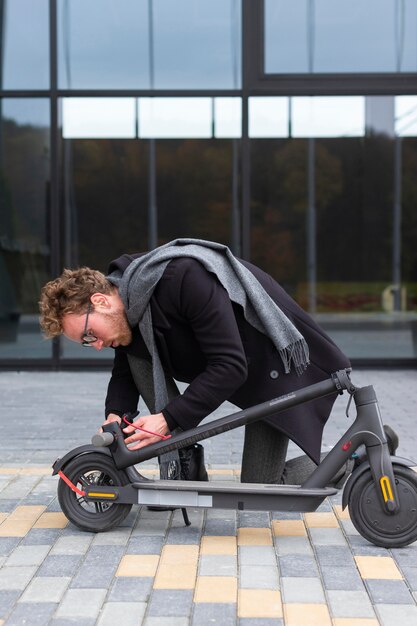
87	339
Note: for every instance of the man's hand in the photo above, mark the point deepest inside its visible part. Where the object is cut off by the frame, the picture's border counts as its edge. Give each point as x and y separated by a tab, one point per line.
154	423
112	417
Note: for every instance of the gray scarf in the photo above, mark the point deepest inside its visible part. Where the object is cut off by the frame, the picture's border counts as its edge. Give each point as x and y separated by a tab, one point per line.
139	280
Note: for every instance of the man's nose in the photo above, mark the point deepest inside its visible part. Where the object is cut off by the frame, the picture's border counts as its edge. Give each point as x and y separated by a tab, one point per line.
98	345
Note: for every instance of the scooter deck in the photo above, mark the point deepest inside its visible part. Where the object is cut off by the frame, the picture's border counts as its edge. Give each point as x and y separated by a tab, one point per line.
221	494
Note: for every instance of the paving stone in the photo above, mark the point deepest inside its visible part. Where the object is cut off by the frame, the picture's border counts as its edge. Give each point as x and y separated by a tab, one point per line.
116	537
219	527
410	574
257	555
81	603
331	555
60	565
137	589
298	565
28	555
126	613
73	621
327	537
258	577
72	544
8	544
346	578
8	599
217	565
389	592
41	536
293	545
252	621
307	590
35	614
186	535
145	545
206	614
395	614
45	589
7	505
350	604
16	577
166	621
255	519
170	603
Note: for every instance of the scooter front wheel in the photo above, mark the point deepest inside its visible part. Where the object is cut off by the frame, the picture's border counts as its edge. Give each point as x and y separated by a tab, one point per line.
83	471
370	518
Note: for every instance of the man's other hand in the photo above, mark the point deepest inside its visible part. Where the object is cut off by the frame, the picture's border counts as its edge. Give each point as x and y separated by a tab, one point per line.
154	423
112	417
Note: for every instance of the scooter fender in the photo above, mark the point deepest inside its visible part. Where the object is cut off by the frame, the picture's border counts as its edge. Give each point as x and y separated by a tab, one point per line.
81	450
363	467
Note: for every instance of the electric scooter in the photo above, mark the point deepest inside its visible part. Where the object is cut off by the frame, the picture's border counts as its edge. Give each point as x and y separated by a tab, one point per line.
99	484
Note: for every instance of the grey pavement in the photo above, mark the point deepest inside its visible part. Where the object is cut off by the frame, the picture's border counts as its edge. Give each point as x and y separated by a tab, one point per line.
230	567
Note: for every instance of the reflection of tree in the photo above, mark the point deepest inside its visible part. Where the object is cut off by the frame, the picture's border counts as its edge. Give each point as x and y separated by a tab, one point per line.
111	194
23	244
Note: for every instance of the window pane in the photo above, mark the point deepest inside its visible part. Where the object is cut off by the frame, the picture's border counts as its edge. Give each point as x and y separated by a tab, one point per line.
268	117
227	117
24	44
197	44
24	240
197	188
105	200
98	117
343	271
328	117
149	44
175	117
406	116
329	36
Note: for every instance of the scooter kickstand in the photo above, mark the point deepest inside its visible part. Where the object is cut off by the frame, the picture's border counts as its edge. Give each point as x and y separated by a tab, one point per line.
186	518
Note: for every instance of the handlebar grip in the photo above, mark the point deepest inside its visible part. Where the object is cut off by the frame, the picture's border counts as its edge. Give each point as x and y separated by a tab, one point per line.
102	439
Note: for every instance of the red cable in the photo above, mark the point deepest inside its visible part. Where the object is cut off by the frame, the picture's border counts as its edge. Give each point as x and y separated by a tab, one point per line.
145	431
70	484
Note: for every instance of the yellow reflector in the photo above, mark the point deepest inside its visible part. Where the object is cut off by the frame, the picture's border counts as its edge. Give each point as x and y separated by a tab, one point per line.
92	494
386	488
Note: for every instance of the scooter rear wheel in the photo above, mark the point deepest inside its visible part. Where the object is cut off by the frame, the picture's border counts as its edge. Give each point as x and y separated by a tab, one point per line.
83	471
370	518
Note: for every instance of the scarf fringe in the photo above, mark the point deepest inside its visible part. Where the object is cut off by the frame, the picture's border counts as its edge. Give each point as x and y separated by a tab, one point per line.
297	354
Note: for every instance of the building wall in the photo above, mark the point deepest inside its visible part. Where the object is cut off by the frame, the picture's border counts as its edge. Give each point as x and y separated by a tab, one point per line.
286	130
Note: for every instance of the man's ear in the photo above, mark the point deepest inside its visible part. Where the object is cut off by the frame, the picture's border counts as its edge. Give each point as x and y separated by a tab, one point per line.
100	301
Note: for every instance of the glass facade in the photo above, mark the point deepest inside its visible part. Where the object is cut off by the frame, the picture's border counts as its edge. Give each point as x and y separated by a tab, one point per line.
125	125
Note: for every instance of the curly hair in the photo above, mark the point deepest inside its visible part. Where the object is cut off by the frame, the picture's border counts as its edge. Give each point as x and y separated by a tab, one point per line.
70	293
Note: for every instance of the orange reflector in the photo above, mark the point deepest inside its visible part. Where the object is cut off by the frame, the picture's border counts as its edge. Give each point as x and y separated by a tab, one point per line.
386	488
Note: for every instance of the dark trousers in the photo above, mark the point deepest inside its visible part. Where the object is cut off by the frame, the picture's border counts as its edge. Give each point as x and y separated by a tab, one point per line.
263	459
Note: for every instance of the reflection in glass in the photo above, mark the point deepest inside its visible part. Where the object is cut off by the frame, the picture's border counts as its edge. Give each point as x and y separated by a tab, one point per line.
175	117
323	116
227	118
24	44
196	182
348	184
335	36
99	117
406	116
268	117
186	44
24	240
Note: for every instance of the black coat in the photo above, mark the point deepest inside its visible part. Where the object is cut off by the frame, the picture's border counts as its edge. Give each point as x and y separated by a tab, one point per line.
203	339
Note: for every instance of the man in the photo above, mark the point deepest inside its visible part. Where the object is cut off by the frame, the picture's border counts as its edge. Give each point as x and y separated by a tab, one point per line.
191	311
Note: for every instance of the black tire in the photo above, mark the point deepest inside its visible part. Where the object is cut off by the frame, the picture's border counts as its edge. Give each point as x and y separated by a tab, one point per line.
373	522
92	469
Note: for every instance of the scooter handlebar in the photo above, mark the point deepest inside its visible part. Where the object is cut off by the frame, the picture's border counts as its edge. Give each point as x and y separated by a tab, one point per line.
102	439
